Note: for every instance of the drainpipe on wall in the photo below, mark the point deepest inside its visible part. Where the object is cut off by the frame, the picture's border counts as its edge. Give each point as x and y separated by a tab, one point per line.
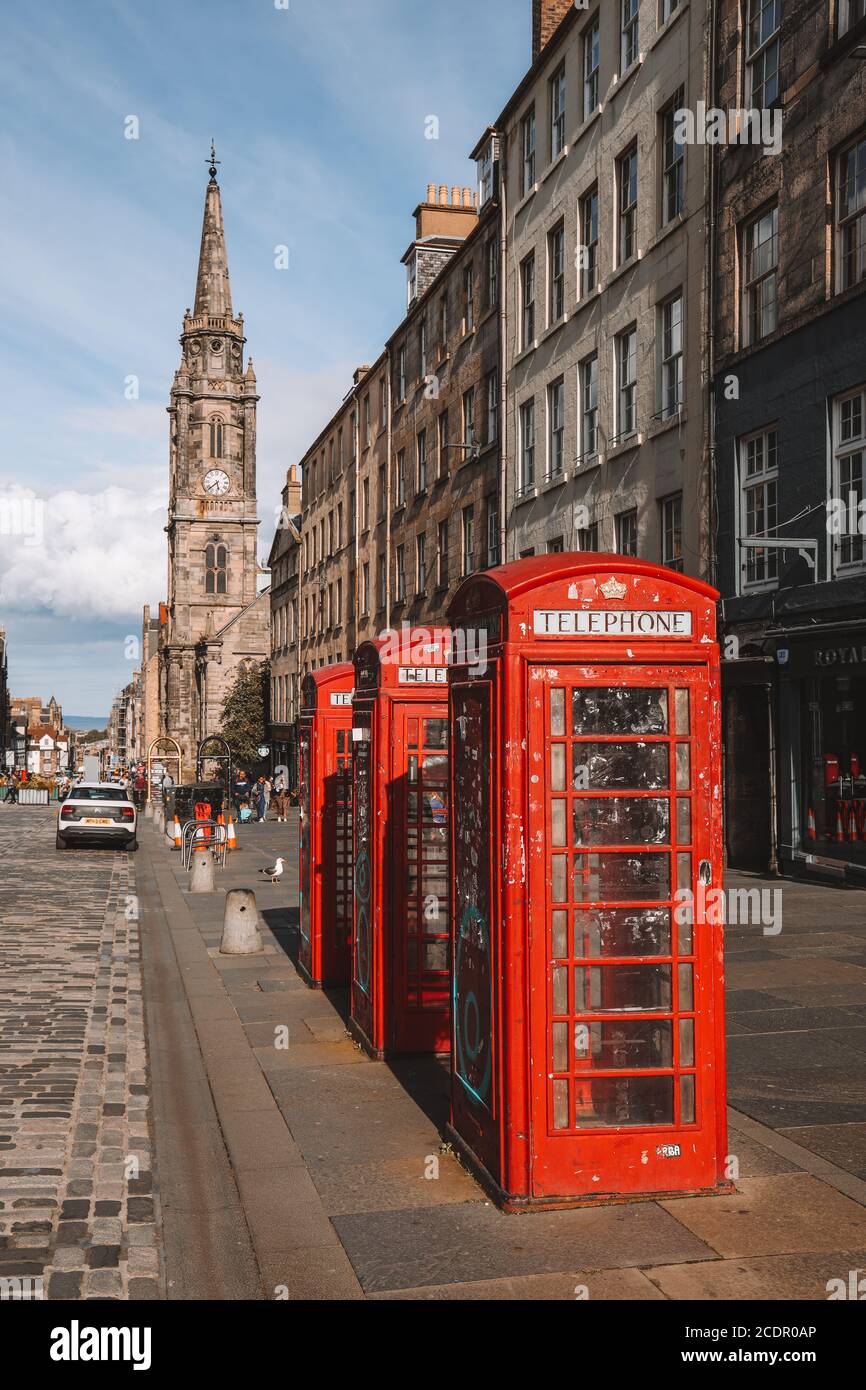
503	358
709	298
356	445
388	490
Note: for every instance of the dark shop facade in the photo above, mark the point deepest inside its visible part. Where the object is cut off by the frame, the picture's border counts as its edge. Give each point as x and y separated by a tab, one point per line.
790	465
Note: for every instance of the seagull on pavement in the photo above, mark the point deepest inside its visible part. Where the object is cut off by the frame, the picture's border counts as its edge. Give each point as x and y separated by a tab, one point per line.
273	871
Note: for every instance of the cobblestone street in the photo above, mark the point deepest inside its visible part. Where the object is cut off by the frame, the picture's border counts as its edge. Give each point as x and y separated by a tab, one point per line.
76	1191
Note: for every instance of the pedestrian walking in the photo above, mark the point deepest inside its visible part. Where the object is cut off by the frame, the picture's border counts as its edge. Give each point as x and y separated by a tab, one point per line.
281	798
241	790
139	787
260	801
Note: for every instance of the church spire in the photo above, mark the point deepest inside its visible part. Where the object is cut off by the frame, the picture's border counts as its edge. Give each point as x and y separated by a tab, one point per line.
212	291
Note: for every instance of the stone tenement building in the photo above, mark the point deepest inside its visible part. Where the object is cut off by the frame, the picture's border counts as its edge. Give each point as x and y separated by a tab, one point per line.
606	427
284	562
401	487
215	617
446	397
790	405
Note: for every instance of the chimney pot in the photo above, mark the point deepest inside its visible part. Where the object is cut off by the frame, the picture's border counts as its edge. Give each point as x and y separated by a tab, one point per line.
443	194
455	196
431	193
467	197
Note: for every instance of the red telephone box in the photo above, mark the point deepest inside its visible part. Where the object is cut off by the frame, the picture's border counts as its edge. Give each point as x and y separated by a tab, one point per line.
400	956
588	1060
325	794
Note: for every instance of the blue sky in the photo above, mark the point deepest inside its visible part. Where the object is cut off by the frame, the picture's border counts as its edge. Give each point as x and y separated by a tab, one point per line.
318	113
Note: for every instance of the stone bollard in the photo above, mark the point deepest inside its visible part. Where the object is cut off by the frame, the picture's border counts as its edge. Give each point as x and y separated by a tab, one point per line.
241	935
201	878
158	819
148	810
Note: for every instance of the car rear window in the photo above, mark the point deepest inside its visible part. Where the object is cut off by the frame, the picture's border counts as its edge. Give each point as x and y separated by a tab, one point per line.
98	794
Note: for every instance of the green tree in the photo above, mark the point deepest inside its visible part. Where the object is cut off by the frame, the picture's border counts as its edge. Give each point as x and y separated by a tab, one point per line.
243	720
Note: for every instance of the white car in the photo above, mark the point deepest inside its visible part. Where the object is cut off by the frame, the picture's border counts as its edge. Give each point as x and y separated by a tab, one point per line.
97	811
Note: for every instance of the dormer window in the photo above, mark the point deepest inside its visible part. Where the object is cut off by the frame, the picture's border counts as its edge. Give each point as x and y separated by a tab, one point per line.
485	174
486	164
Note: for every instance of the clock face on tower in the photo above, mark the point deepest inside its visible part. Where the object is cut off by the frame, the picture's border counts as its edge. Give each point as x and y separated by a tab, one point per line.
216	482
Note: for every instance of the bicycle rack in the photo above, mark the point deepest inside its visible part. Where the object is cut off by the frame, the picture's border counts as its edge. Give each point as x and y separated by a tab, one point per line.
218	841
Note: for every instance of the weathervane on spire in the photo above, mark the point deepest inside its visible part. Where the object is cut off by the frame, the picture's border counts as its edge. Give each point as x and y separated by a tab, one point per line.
213	162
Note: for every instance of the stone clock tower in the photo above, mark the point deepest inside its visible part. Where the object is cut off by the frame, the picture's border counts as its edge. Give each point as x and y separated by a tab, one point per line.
217	615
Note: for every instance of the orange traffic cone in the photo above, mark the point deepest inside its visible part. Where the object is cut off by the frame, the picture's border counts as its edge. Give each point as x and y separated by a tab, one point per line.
232	841
178	838
853	829
840	824
811	829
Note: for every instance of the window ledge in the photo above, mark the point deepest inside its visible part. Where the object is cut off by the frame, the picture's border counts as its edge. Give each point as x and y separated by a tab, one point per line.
667	230
630	264
619	82
553	328
527	198
587	125
839	46
555	163
527	495
669	24
526	352
589	299
583	465
746	589
550	483
671	422
626	446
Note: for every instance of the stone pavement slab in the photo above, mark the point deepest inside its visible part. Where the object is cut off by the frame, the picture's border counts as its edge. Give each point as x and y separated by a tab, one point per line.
597	1286
776	1277
406	1249
778	1215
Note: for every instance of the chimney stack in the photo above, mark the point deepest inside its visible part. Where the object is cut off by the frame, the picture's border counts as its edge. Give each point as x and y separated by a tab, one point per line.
294	504
547	15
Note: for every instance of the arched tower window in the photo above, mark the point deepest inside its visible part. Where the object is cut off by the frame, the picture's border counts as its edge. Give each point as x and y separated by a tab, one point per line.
216	564
216	438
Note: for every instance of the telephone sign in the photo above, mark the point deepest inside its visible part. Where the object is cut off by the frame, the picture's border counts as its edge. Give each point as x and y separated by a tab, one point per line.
588	1059
611	623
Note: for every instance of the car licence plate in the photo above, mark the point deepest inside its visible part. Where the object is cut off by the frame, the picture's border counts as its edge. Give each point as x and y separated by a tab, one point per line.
96	820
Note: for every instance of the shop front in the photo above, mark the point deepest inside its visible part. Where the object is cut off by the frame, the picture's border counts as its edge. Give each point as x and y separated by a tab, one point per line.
822	747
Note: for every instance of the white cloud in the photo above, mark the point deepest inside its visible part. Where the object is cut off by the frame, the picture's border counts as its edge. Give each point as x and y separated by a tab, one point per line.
94	555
